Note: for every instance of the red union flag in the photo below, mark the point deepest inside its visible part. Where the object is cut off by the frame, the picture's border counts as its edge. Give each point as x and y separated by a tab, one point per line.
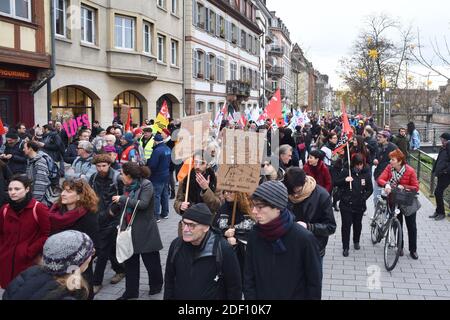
165	110
273	109
347	132
2	128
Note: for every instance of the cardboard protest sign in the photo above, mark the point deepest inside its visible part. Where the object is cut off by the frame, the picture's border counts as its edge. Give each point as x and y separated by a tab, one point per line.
192	136
72	125
238	178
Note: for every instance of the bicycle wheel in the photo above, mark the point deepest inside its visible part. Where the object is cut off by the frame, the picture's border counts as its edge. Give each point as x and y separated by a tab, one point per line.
392	245
375	226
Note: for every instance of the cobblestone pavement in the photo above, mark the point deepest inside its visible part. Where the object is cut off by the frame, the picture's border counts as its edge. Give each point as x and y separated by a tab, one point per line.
361	275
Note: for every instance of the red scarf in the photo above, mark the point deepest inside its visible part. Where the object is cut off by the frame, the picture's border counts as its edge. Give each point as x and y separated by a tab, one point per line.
60	220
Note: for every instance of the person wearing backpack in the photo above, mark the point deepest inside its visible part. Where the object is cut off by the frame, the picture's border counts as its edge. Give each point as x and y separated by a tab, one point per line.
106	183
201	265
24	228
38	172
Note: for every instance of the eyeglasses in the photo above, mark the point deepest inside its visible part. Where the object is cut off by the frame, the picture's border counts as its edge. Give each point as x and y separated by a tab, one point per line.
191	226
265	165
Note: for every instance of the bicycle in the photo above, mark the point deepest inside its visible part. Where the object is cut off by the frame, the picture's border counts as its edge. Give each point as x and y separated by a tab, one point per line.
386	225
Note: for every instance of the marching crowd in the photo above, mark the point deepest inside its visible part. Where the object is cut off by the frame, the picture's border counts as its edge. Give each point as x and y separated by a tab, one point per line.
64	198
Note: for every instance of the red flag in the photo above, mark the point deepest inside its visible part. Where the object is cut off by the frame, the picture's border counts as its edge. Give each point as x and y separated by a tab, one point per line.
128	124
273	109
347	132
2	128
165	110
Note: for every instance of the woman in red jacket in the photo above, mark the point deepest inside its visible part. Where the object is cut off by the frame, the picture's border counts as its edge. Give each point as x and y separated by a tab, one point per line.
317	169
24	228
400	175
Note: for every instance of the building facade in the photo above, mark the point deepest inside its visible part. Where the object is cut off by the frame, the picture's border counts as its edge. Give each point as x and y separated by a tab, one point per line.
111	54
301	68
279	56
25	57
222	56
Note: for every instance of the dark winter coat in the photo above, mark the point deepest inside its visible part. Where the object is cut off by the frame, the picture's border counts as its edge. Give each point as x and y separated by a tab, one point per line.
383	158
441	167
21	239
372	146
362	189
159	163
71	153
36	284
54	146
5	175
18	162
317	212
194	274
145	232
293	275
402	143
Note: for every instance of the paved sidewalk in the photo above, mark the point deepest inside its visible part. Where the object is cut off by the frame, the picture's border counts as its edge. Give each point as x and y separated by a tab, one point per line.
361	275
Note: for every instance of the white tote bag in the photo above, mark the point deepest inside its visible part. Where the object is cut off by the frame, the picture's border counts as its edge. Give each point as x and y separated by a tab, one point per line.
124	241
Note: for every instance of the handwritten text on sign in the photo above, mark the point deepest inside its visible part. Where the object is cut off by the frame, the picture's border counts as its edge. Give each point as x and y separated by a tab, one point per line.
238	178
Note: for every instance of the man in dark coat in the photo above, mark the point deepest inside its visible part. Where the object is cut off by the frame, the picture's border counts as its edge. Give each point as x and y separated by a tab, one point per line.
13	154
201	265
283	259
311	205
159	164
441	169
401	141
106	183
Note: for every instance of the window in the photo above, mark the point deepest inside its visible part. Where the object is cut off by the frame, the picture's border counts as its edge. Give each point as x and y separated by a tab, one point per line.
61	17
129	98
174	7
199	60
220	70
19	9
211	107
162	3
233	70
234	33
87	24
199	15
161	45
174	53
147	37
124	32
211	23
199	107
210	67
243	40
70	102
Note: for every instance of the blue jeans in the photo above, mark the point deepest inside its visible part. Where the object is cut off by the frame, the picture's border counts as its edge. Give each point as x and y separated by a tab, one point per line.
161	199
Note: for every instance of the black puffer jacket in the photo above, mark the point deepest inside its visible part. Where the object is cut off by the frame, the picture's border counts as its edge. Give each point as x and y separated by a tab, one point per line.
362	189
36	284
442	165
317	212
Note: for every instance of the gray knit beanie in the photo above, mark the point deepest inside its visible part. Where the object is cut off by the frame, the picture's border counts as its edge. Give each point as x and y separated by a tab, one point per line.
273	192
66	249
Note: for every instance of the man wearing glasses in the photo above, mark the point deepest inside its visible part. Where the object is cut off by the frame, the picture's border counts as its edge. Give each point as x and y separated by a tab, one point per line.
201	265
283	260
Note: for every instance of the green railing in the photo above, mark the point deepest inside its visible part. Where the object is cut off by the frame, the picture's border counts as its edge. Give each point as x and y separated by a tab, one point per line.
423	164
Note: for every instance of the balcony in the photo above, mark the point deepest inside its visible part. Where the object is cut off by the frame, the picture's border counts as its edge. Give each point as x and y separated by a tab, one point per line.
269	86
238	88
131	65
269	38
276	50
269	63
276	72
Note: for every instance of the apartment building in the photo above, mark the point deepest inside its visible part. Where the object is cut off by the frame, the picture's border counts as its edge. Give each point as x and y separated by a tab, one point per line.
111	54
222	55
25	57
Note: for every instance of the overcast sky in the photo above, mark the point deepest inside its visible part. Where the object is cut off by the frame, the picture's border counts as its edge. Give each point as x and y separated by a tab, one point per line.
326	29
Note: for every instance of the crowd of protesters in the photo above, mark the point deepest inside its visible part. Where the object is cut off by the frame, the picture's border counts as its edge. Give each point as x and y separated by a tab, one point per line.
68	197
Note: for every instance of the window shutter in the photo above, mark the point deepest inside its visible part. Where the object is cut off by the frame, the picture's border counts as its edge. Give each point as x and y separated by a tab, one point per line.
194	13
194	59
218	26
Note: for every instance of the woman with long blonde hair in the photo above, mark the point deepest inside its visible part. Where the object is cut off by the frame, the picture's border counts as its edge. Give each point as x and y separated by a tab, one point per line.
236	234
76	210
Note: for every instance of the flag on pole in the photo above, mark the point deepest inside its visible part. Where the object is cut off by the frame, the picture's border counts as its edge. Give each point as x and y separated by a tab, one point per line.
165	110
347	132
128	124
2	128
220	115
184	171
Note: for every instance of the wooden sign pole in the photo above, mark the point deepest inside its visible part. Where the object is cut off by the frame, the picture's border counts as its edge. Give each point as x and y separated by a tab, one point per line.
233	216
186	196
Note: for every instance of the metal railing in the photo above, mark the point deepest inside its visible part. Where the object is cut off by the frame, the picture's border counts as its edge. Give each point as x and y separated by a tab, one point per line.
423	165
428	134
